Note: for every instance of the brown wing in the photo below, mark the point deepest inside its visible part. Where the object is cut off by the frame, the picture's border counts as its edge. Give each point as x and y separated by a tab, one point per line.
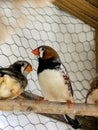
66	78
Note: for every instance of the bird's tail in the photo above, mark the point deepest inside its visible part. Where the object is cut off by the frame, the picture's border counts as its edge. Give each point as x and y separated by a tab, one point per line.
73	121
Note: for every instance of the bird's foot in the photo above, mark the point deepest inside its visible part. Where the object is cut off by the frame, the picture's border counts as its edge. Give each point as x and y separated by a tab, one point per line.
21	98
45	99
69	103
96	102
38	99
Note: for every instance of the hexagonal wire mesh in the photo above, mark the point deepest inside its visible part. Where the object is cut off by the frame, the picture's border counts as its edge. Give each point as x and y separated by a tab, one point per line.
26	27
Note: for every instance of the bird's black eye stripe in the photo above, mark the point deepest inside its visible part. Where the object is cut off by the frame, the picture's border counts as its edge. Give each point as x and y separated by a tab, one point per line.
23	64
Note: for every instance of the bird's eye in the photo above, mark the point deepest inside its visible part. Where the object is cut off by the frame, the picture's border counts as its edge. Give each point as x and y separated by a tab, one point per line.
23	64
43	49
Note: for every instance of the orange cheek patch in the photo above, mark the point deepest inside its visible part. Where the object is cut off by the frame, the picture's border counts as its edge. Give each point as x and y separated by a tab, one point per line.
29	68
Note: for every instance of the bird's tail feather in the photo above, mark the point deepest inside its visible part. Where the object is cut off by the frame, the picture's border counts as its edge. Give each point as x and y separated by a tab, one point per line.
73	122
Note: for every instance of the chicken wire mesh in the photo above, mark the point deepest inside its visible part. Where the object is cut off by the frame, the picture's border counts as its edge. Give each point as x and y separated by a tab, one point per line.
25	26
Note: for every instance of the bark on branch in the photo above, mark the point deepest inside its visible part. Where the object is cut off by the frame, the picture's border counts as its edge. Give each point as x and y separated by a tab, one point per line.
48	107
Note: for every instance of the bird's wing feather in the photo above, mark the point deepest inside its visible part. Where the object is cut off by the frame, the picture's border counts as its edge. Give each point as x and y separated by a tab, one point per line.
14	74
66	78
7	71
70	118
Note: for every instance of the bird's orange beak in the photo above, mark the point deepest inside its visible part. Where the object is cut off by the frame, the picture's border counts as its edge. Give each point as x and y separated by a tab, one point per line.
35	51
29	68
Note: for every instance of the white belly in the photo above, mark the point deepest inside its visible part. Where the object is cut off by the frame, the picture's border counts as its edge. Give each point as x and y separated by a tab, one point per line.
53	86
7	86
93	97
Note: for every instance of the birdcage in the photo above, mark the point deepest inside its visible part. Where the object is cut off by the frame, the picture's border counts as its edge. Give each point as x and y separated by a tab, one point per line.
25	25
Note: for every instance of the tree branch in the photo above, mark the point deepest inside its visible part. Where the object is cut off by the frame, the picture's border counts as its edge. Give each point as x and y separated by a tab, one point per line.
48	107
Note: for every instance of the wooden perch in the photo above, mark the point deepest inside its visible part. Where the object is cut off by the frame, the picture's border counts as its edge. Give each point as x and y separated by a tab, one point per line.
49	107
87	122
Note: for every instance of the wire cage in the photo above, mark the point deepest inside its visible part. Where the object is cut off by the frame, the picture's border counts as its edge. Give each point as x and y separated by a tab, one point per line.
24	26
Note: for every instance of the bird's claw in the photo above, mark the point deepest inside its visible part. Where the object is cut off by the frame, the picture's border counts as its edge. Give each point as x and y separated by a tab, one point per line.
69	103
21	98
38	99
96	102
